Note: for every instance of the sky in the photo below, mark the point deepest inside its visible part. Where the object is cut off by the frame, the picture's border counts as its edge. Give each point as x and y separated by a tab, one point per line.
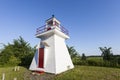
91	23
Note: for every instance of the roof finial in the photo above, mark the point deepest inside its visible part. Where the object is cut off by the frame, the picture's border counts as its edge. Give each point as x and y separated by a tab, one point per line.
53	16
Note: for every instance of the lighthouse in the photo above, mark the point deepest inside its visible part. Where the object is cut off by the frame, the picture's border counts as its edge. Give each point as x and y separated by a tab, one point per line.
52	55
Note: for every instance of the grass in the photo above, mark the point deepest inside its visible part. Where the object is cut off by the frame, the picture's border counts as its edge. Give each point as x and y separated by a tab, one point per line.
78	73
90	73
10	74
94	58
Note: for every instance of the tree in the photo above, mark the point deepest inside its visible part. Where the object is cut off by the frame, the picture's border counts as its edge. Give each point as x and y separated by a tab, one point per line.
119	60
6	53
83	57
73	53
13	61
106	53
1	47
17	52
21	47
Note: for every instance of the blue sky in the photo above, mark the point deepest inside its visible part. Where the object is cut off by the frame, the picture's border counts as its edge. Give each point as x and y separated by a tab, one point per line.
91	23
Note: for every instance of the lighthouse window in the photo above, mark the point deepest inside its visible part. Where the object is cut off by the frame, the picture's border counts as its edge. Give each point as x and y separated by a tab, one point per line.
56	24
50	23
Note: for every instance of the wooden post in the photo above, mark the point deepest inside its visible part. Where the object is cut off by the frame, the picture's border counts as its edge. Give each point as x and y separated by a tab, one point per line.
18	68
3	76
15	69
15	78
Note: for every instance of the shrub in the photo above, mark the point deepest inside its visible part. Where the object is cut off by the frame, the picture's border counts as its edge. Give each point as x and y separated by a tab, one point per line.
83	62
76	60
95	62
13	61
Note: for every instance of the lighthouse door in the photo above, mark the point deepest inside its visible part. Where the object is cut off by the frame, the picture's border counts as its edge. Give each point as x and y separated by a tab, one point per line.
41	58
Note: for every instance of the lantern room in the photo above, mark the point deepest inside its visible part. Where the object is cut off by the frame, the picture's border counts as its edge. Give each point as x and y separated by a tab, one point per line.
50	24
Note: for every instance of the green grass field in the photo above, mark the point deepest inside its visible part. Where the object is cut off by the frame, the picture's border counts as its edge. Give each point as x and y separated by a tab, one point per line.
10	74
78	73
90	73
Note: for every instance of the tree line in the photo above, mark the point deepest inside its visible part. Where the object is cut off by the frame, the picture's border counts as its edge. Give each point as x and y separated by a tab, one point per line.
17	53
106	59
21	53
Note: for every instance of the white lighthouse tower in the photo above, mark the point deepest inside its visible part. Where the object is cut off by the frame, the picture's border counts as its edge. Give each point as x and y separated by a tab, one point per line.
52	55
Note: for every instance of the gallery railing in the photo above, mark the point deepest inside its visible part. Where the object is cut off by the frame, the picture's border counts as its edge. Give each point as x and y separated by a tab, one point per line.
45	28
